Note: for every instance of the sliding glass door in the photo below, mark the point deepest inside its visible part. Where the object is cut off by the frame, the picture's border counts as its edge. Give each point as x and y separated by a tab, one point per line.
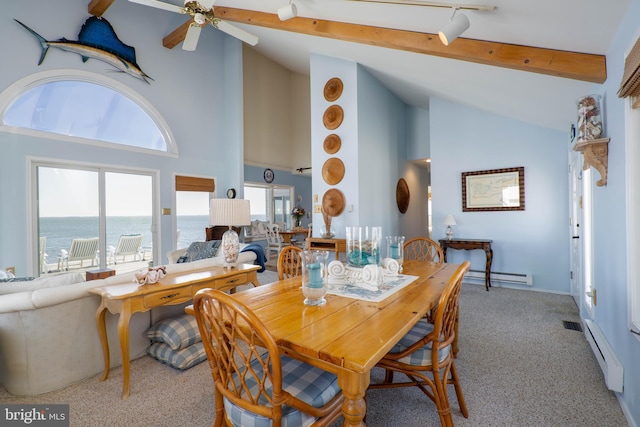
85	214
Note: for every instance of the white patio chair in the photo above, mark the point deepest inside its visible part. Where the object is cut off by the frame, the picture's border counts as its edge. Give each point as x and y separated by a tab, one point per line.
44	268
129	244
81	250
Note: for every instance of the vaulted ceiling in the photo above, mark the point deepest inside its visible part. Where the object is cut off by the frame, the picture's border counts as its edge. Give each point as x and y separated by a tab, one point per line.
524	60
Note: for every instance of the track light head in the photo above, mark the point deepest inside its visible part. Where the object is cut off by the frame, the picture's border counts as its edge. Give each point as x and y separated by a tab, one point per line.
287	12
457	25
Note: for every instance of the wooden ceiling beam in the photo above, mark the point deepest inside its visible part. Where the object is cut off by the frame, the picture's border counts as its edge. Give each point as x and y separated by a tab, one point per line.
571	65
98	7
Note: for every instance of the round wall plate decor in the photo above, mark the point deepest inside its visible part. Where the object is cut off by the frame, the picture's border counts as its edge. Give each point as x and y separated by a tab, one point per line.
333	202
332	143
333	89
333	171
332	117
402	195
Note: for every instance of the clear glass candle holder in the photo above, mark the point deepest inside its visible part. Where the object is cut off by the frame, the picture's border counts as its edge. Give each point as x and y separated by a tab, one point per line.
363	246
395	249
314	276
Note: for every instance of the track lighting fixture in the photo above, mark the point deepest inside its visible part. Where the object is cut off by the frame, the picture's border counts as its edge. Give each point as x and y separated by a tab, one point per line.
287	12
301	170
457	25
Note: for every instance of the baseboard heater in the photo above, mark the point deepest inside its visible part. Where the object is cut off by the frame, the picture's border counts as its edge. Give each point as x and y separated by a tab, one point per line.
496	276
607	359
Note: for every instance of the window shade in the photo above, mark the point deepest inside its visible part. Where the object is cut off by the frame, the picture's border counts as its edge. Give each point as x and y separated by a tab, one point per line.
189	183
630	85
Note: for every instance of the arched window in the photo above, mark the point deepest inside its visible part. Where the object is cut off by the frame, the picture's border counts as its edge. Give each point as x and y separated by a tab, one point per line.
84	107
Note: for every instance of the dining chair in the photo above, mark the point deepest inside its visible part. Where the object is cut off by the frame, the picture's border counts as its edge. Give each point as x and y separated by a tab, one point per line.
424	355
289	262
275	242
423	249
254	383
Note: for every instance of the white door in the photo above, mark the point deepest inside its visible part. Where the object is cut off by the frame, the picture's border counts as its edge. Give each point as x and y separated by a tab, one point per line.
575	202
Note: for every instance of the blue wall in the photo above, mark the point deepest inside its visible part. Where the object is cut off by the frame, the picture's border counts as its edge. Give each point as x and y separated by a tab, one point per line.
610	218
206	120
535	240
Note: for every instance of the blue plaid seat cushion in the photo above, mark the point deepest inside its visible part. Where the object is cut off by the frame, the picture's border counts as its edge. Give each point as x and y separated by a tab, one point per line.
308	383
422	356
178	332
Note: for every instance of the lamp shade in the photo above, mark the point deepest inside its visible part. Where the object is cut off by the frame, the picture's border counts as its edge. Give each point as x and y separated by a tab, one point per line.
449	220
458	25
229	212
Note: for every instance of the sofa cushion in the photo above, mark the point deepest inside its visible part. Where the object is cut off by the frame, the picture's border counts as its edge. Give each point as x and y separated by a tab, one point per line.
200	250
178	332
180	359
49	281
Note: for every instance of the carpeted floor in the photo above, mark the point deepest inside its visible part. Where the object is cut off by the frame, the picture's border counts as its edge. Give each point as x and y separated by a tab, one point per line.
518	366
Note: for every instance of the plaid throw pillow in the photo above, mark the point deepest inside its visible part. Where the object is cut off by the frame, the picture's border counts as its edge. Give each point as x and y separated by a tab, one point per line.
180	359
177	332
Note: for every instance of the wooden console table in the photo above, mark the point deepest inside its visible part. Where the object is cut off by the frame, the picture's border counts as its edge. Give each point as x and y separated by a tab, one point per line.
319	243
128	298
470	244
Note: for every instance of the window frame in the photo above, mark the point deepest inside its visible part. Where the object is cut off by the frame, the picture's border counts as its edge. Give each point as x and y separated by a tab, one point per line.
33	261
20	87
270	194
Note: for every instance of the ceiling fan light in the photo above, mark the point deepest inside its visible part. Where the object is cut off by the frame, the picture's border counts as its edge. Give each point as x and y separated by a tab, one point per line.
287	12
457	25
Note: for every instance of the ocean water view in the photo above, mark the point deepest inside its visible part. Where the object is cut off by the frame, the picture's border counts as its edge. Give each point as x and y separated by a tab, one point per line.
60	231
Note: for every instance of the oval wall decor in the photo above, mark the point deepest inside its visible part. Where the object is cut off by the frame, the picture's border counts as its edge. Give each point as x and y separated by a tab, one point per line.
332	117
333	171
402	195
332	144
333	202
333	89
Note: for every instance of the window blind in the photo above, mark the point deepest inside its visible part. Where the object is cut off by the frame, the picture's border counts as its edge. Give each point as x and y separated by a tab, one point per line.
630	85
190	183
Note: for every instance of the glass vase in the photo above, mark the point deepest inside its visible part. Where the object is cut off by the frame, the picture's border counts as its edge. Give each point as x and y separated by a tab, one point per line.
589	118
363	246
314	276
395	249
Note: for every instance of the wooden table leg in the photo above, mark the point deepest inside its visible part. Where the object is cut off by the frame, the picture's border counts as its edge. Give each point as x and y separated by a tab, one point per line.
354	387
102	332
253	278
487	273
123	334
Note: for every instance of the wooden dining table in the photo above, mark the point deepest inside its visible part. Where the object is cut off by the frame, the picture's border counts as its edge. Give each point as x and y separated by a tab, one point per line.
346	336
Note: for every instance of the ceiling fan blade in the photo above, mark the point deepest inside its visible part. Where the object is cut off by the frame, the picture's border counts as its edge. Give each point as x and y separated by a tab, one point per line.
159	5
191	40
236	32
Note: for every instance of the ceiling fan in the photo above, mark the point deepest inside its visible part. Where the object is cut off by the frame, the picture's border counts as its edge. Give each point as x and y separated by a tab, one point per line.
202	14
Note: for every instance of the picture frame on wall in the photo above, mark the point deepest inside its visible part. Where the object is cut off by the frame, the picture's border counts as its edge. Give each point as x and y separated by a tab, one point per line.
493	190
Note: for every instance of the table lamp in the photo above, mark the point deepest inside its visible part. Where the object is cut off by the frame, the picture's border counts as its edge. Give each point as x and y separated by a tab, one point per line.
230	212
449	221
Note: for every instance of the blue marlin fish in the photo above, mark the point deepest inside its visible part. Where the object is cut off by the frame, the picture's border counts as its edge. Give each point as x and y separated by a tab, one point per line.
97	40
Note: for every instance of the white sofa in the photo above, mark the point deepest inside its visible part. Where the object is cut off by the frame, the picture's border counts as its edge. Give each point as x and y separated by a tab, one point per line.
48	333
